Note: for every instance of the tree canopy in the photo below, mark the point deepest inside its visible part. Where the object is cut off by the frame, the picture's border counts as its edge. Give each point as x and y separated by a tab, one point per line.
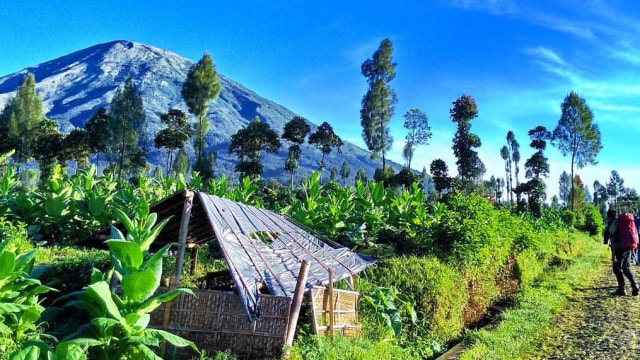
379	102
464	141
249	142
577	135
200	87
418	132
295	131
126	121
325	140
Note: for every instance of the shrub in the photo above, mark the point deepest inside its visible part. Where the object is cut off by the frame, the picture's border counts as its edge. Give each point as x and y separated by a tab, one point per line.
593	222
469	234
437	289
527	267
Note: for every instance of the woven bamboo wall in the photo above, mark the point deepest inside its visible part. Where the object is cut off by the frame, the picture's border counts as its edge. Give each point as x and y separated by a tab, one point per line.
217	320
344	312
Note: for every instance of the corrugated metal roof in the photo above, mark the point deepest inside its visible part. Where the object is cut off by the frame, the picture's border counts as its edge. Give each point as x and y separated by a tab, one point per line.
260	247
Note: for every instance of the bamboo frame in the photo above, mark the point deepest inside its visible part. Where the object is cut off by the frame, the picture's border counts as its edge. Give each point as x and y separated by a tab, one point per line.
182	241
297	302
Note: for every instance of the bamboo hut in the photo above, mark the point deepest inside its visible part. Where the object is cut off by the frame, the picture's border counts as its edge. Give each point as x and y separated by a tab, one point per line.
272	264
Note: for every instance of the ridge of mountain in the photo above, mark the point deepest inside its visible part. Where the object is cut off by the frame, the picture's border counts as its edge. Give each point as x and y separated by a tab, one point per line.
73	87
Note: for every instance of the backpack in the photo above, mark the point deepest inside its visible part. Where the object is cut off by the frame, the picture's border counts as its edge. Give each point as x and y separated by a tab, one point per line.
627	233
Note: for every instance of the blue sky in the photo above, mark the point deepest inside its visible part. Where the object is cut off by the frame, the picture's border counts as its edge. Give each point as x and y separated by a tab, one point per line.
518	59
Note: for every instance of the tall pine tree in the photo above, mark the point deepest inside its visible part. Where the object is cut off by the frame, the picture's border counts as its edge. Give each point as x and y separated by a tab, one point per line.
378	104
126	120
21	119
200	87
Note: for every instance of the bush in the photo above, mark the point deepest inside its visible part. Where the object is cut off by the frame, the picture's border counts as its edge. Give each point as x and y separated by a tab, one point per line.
593	222
469	233
527	267
438	290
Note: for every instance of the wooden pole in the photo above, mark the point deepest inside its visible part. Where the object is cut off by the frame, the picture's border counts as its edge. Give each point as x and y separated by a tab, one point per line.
194	259
330	291
182	244
296	303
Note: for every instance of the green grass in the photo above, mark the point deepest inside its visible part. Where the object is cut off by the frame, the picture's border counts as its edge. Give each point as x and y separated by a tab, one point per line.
520	328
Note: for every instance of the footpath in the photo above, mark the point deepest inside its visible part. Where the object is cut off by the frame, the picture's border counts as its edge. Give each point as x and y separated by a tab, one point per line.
594	324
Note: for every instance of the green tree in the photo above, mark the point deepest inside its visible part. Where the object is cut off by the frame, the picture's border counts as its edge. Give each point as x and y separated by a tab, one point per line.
419	132
205	165
174	135
200	87
514	150
361	175
378	104
324	139
440	174
295	131
126	118
537	168
181	165
615	188
505	154
21	118
99	132
464	141
249	142
600	197
345	170
334	175
47	147
564	184
75	146
577	196
577	135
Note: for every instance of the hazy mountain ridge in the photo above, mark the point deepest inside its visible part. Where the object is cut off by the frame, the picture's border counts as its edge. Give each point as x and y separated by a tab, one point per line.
75	86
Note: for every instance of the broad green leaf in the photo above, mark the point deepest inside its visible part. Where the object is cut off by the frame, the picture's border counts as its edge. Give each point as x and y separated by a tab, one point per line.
55	206
32	314
137	321
147	353
155	262
7	262
116	234
105	326
153	303
167	336
100	293
140	285
146	243
96	275
70	351
28	353
86	342
143	209
126	221
25	262
127	253
149	221
7	308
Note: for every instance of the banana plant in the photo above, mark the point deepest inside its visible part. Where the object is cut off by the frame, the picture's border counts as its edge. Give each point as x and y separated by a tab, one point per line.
118	328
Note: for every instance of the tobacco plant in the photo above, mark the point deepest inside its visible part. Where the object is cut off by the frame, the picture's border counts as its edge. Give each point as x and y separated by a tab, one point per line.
118	326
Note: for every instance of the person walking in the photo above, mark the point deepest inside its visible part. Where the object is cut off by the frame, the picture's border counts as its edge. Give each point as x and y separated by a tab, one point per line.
635	252
622	247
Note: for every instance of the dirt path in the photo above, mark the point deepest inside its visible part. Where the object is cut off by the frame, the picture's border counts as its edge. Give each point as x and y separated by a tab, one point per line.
595	324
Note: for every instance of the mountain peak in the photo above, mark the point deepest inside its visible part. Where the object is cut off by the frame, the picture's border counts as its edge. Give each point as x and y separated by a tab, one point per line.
73	87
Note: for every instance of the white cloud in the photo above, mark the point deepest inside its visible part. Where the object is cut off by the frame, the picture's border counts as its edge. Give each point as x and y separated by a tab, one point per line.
496	7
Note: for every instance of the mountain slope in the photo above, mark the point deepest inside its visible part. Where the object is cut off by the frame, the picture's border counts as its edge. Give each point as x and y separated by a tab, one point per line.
75	86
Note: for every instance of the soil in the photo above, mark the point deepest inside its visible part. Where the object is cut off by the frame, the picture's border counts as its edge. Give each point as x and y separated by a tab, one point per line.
594	324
